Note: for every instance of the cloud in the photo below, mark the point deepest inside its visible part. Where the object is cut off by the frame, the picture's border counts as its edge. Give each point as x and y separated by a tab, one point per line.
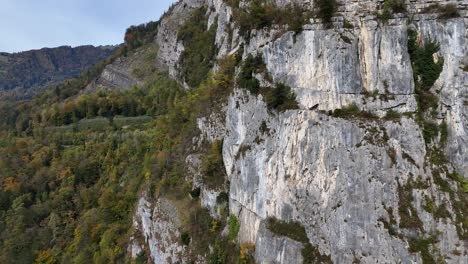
32	24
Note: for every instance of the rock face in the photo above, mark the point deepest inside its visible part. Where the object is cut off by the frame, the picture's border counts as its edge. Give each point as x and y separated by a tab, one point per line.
39	68
159	224
273	249
345	180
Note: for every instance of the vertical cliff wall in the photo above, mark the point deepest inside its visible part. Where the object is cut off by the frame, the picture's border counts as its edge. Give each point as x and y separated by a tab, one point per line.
366	188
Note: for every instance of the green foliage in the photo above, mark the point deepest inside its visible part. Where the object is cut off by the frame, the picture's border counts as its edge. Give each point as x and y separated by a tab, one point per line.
430	130
445	11
426	101
199	47
234	227
195	193
185	238
392	115
409	216
422	245
347	24
425	70
250	66
206	238
151	100
145	65
74	190
212	166
261	14
137	36
312	255
326	10
443	128
75	198
462	181
293	230
352	111
390	7
280	98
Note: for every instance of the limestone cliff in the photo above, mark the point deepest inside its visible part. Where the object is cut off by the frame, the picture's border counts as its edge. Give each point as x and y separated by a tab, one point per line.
360	186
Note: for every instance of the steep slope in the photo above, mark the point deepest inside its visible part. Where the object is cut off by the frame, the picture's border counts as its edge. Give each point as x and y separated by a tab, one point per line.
373	164
39	68
253	132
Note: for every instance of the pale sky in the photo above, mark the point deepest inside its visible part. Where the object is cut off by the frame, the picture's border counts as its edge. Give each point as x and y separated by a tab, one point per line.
34	24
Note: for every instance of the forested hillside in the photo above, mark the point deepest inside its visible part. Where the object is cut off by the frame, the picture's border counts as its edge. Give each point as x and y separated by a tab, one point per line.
24	74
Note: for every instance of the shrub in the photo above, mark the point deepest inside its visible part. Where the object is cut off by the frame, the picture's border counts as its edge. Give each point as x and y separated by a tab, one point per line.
246	77
212	167
408	215
352	110
222	198
430	130
392	115
137	36
422	244
425	70
449	11
326	10
195	193
426	100
234	227
281	98
200	48
185	238
263	14
293	230
246	253
445	11
397	6
443	128
390	7
312	255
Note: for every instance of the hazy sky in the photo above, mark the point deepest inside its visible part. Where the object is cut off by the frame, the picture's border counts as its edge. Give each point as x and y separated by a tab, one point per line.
34	24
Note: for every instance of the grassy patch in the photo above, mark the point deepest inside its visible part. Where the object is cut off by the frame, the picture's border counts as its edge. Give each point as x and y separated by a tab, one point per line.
392	115
293	230
353	111
408	215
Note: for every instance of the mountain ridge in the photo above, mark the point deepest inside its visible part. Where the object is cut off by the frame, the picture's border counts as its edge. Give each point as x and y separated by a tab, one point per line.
37	69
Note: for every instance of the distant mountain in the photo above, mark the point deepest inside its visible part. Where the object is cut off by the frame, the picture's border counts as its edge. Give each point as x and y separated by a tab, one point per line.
36	69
